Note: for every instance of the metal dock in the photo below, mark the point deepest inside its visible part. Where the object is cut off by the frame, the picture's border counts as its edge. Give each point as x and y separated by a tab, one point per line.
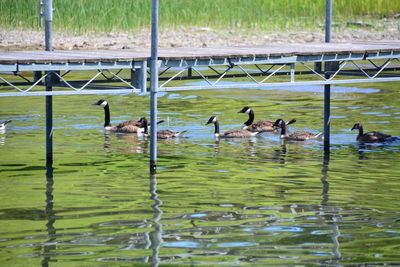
23	73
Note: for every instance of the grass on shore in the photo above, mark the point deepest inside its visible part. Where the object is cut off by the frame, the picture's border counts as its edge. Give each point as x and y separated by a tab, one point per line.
107	15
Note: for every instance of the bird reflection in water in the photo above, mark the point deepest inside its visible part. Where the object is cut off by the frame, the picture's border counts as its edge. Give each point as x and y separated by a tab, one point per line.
132	144
281	152
247	146
3	131
363	150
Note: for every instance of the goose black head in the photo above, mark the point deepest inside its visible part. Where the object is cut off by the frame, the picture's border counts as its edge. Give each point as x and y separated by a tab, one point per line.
143	119
356	126
279	123
212	119
101	103
245	110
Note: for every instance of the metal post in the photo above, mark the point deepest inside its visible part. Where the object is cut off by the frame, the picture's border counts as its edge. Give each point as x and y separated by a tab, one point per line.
138	77
327	114
153	86
48	12
328	21
327	87
49	124
37	75
292	72
48	17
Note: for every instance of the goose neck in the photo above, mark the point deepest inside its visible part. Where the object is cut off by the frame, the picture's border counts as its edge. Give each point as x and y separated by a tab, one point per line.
360	131
145	127
283	129
107	116
251	118
216	128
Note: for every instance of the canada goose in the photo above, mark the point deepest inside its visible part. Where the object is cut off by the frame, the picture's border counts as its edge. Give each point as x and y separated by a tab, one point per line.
162	134
296	136
4	123
371	137
261	125
131	126
231	133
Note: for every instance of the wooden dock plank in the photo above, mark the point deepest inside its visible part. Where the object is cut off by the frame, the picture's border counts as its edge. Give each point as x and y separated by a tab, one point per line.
191	53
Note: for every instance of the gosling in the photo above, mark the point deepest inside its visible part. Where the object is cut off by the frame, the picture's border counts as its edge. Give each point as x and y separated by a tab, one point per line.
371	137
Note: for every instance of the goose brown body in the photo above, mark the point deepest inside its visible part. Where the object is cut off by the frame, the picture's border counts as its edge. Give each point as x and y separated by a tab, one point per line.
161	134
130	126
261	125
234	133
295	136
371	137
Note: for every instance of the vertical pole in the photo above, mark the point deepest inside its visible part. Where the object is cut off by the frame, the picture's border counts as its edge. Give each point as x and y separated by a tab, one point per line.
48	17
37	75
49	126
327	87
139	77
153	86
328	21
48	12
292	72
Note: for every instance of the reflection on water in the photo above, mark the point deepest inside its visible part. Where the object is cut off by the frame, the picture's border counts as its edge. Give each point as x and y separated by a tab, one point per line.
332	214
132	142
298	88
156	235
237	202
49	246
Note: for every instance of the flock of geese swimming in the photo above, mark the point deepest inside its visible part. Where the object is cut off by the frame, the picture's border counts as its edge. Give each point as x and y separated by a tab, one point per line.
248	129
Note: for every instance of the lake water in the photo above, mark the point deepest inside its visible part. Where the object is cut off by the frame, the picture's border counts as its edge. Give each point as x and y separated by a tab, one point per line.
249	202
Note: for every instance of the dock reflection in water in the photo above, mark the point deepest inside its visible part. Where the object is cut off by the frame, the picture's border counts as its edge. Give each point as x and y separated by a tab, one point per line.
50	245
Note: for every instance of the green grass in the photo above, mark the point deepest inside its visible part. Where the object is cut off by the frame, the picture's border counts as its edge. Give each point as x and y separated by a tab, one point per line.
107	15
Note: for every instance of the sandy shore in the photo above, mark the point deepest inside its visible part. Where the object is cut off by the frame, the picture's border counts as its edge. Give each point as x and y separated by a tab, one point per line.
194	37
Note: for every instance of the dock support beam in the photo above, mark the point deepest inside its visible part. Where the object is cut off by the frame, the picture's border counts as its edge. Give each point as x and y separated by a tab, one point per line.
48	12
327	87
139	77
153	86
